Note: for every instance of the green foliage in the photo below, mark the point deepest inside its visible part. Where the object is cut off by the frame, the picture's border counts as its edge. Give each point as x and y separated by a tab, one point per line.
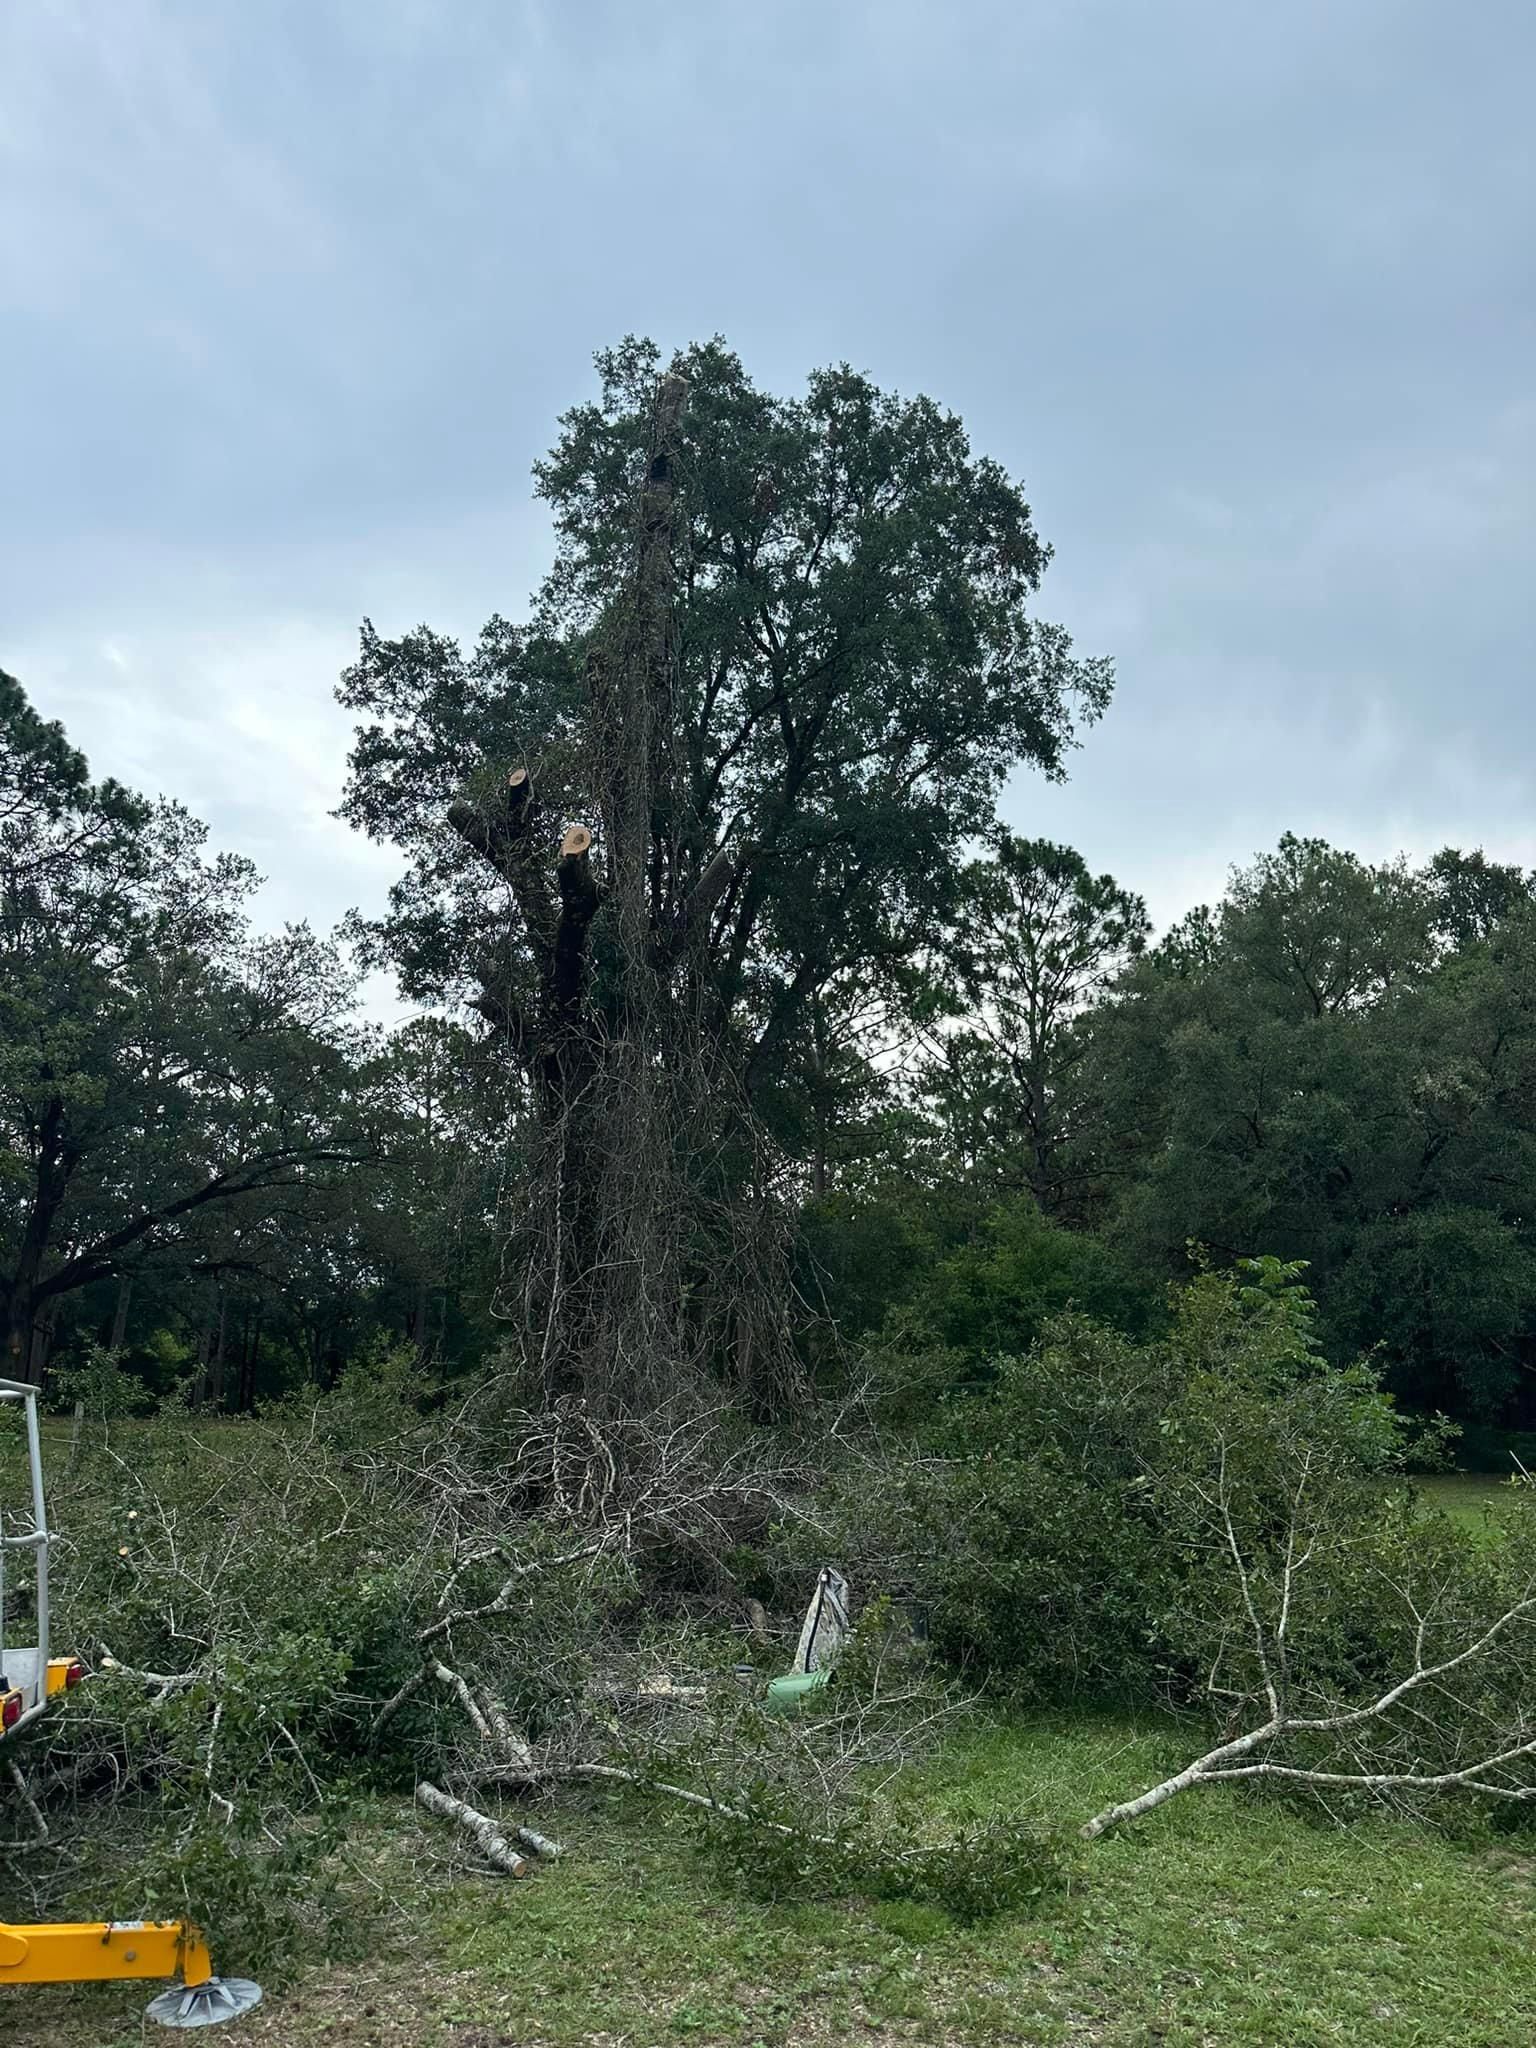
99	1386
1020	1533
272	1907
859	670
1038	940
249	1594
159	1064
1339	1063
996	1295
273	1588
869	1246
996	1865
1057	1523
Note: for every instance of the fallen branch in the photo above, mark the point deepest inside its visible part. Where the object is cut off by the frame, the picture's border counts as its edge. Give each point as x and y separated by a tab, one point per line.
481	1829
618	1774
1235	1758
537	1844
34	1812
503	1599
489	1718
165	1682
397	1700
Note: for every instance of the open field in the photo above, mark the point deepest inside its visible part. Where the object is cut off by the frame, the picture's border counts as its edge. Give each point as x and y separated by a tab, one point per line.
1218	1922
1470	1497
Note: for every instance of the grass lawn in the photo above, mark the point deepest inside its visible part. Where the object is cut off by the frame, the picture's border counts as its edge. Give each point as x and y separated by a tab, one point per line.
1470	1497
1217	1921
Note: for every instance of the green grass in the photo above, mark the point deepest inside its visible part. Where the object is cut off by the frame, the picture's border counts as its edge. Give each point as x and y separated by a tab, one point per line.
1214	1923
1468	1497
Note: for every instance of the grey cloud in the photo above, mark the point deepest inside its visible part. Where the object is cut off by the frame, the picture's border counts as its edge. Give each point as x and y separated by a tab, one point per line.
291	296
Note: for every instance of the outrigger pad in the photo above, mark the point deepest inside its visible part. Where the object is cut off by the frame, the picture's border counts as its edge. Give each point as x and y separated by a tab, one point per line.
205	2005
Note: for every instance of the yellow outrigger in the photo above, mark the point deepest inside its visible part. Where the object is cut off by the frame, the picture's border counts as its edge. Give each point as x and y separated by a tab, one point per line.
88	1951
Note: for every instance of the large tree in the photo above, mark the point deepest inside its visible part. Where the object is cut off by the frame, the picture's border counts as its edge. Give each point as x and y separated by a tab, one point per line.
158	1064
1041	940
1338	1064
779	672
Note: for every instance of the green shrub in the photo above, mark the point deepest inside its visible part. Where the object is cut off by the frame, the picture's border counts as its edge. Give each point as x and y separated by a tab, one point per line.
996	1865
1056	1524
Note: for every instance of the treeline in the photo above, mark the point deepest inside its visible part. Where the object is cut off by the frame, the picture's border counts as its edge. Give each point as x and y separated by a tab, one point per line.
1335	1064
750	1038
208	1164
213	1168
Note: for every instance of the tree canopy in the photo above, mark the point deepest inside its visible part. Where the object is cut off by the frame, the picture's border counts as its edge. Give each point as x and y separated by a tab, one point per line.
858	668
159	1063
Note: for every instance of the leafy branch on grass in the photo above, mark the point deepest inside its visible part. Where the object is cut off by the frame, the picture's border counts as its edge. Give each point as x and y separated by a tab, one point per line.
1442	1724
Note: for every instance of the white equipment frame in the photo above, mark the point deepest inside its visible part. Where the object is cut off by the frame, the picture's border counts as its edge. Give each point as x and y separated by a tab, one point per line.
24	1668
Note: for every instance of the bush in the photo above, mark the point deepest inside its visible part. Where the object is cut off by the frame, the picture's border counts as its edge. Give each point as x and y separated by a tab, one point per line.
1056	1524
992	1300
997	1865
1019	1525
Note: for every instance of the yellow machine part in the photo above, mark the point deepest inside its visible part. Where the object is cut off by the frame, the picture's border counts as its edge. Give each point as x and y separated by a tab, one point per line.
58	1674
92	1951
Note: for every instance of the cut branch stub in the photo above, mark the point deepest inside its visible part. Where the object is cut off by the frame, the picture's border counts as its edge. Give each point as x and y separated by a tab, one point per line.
573	871
500	834
579	899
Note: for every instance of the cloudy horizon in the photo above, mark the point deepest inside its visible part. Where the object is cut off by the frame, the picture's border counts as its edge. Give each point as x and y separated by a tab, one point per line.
293	298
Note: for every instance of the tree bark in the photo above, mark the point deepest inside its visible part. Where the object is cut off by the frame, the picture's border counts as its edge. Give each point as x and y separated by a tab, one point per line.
480	1828
120	1313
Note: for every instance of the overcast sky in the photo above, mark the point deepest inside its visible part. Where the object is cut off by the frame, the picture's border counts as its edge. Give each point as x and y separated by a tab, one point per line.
291	292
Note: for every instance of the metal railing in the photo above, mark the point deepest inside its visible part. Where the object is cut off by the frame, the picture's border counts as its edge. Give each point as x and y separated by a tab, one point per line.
31	1535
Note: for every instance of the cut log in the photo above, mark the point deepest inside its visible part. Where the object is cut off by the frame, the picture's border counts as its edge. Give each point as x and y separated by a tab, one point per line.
539	1845
479	1827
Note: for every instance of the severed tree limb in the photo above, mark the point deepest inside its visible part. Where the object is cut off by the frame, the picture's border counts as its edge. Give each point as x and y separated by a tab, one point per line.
1470	1778
501	836
618	1775
1230	1759
580	899
481	1829
1220	1766
466	1699
537	1844
502	1600
490	1721
1192	1774
33	1811
498	835
397	1700
164	1682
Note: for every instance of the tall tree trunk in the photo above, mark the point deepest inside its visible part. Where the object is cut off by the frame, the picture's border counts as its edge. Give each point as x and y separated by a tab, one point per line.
204	1351
120	1313
16	1313
40	1348
216	1378
250	1353
637	1266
